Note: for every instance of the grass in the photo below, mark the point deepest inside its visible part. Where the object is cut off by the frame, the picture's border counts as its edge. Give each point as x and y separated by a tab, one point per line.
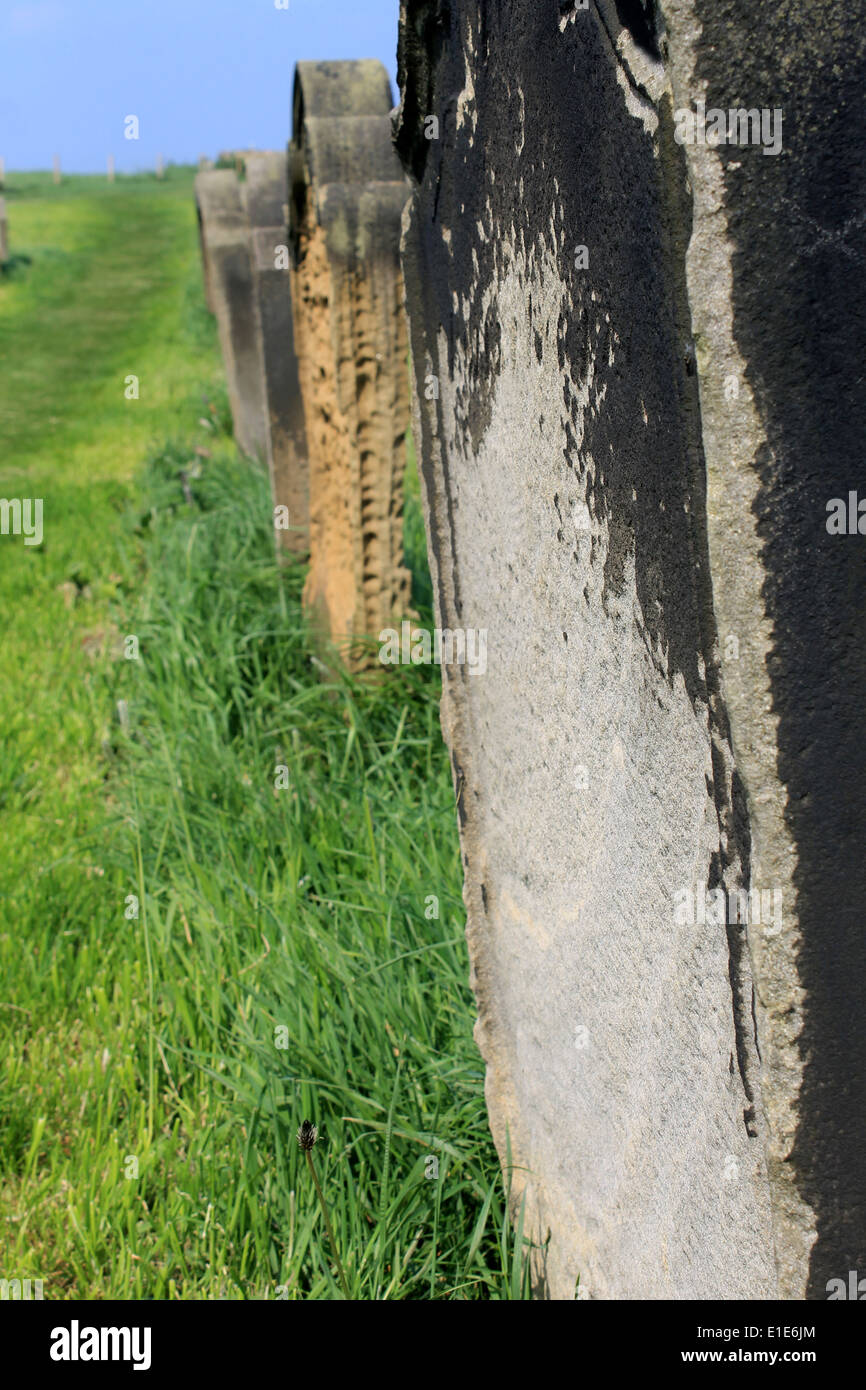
237	906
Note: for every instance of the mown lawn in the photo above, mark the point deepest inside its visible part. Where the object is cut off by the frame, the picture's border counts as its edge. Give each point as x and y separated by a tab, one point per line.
229	892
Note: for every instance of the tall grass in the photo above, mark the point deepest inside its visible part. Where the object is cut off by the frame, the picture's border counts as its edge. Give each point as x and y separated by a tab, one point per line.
300	937
193	958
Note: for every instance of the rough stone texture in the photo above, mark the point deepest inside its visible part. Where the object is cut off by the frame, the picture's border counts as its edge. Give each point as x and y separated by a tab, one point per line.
267	196
227	265
347	196
778	292
613	516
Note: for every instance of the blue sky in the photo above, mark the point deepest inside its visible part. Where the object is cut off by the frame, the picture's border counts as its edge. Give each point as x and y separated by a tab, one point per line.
200	75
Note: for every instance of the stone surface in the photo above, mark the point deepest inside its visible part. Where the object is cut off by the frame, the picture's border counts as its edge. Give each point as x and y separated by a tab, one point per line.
267	195
635	390
777	287
228	273
346	200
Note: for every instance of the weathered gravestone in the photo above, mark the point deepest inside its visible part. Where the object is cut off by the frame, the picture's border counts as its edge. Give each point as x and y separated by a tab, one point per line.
205	261
638	361
228	275
346	200
267	209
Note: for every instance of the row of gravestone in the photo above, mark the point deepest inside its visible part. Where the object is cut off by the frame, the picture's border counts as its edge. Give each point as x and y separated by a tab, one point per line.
637	324
301	269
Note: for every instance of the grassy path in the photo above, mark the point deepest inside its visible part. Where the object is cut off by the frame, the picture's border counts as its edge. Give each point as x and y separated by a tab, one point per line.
111	291
242	908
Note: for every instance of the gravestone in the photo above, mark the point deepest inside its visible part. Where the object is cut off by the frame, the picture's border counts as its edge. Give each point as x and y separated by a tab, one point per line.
267	196
228	275
637	406
346	199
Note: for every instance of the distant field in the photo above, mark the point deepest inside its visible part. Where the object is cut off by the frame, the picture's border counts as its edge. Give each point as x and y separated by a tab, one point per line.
193	960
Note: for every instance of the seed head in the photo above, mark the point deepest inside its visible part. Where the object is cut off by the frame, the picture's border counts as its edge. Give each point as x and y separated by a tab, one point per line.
307	1135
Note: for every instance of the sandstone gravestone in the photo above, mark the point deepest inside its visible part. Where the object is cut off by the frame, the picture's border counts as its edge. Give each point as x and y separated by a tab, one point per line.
228	274
637	357
346	200
267	209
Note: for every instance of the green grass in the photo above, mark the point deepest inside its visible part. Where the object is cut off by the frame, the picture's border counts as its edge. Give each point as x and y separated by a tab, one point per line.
197	951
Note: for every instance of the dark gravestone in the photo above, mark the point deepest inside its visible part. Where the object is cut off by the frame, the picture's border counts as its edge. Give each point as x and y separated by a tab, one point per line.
267	209
637	365
224	231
